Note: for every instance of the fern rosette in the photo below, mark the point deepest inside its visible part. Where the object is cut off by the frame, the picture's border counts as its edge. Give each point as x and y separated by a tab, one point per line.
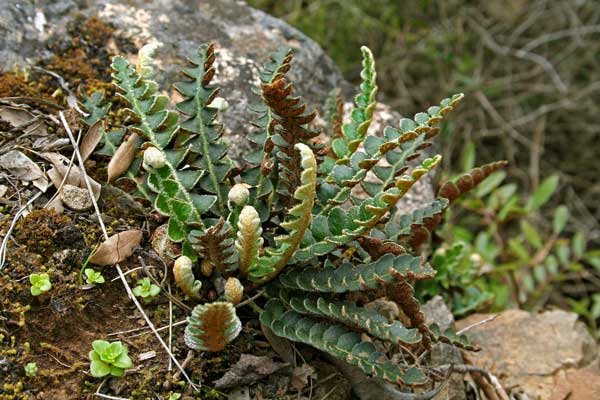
313	221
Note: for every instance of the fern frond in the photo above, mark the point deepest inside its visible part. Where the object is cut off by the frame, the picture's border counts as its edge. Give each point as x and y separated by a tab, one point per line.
350	278
364	104
199	131
215	245
269	266
249	241
95	105
158	126
397	147
338	341
343	226
184	277
416	228
453	190
211	326
98	108
349	313
260	175
288	128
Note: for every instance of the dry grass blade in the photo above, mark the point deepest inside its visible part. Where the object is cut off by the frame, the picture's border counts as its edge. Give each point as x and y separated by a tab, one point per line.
116	248
91	140
123	157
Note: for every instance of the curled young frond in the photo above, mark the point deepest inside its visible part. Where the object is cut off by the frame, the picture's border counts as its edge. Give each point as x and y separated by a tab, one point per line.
249	241
234	290
211	326
296	225
184	277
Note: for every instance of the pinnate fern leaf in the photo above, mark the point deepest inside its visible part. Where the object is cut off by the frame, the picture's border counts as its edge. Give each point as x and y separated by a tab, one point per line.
338	341
350	278
356	131
350	314
211	326
172	183
260	175
199	131
288	128
450	336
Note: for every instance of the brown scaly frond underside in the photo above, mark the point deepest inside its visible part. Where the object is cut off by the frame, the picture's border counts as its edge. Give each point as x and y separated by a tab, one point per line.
288	128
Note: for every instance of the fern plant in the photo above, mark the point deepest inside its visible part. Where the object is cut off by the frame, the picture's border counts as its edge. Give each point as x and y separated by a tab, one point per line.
313	221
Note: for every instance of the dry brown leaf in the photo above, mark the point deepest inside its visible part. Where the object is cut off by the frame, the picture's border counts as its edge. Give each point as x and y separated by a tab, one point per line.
116	248
282	346
247	370
75	178
123	157
22	167
90	140
18	117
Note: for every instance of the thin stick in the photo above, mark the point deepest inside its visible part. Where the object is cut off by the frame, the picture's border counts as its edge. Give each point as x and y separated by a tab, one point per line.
251	299
105	396
144	328
483	321
118	267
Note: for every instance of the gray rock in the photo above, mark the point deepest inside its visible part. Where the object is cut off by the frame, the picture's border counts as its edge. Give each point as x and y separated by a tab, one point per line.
244	37
76	198
437	311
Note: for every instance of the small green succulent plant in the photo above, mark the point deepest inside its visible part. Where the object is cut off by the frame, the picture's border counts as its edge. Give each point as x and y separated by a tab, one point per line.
31	369
108	359
312	221
40	283
146	289
93	277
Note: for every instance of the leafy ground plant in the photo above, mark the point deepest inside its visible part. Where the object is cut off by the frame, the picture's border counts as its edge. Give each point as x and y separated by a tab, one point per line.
108	359
93	277
499	251
31	369
305	227
40	283
146	289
